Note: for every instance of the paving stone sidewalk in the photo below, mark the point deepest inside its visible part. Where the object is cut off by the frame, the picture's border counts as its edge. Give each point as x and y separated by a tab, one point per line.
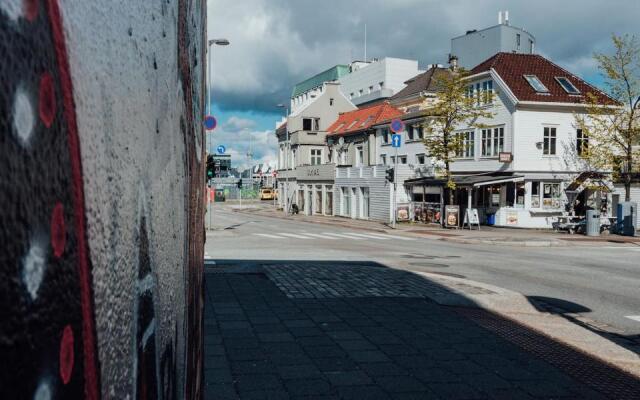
284	341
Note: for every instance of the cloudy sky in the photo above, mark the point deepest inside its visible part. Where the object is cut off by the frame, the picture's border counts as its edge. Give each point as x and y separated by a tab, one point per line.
277	43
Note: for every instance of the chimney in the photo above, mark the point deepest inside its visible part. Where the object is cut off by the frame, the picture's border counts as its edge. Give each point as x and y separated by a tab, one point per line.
506	17
499	17
453	63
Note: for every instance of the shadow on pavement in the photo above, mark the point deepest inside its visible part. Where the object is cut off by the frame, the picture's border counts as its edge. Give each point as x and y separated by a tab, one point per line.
571	312
360	330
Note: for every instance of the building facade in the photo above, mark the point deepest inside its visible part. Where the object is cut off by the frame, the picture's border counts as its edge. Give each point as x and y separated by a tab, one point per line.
376	80
361	188
305	169
515	169
475	46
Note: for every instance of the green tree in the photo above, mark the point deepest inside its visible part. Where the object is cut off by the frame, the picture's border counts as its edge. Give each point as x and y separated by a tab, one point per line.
455	108
614	130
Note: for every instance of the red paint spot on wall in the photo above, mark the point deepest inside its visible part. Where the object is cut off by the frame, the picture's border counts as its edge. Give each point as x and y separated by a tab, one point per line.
47	102
58	234
66	354
31	9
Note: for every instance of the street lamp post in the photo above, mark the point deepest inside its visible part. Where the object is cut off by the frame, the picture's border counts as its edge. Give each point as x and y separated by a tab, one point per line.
219	42
286	158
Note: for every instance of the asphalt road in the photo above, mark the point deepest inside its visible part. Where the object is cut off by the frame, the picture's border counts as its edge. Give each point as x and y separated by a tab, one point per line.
601	283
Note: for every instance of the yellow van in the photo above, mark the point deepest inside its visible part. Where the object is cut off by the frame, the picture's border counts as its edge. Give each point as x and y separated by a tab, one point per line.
268	194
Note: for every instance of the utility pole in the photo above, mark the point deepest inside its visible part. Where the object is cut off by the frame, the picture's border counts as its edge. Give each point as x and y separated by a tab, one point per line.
395	186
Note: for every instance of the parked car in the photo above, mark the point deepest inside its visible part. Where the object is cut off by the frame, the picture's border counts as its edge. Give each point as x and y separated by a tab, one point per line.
268	194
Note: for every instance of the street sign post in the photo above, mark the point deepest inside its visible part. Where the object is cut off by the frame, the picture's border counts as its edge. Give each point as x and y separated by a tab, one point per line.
210	122
397	126
221	149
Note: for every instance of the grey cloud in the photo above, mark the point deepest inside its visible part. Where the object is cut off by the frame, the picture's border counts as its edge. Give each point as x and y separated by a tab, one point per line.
276	43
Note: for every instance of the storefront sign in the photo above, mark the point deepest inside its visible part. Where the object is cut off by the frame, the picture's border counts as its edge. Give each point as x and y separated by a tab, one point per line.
506	157
471	218
451	216
403	212
313	172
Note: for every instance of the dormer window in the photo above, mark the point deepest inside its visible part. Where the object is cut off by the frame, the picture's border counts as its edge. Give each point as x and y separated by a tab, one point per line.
567	85
366	121
536	84
353	124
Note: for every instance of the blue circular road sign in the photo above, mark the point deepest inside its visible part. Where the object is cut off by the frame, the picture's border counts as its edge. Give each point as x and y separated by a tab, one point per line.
210	122
397	125
221	149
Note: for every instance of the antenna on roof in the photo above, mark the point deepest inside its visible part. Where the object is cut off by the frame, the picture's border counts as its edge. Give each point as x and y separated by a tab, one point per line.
365	42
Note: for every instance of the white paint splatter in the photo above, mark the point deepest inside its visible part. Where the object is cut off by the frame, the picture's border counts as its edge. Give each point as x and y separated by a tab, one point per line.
12	8
43	392
34	267
23	116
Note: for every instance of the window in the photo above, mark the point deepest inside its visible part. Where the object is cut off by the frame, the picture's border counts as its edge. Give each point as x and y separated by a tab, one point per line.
492	142
370	89
402	159
517	40
316	156
549	143
346	202
343	158
381	85
551	195
567	85
469	92
409	129
478	97
393	160
367	121
341	126
331	101
419	132
466	143
535	194
383	159
359	156
361	91
306	124
487	92
385	136
420	159
316	124
536	84
351	95
353	124
582	142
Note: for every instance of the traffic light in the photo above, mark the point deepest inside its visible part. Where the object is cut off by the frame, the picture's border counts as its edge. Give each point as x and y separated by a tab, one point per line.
240	183
389	173
211	165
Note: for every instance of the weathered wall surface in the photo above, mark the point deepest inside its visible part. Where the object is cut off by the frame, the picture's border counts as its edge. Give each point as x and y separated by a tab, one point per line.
101	210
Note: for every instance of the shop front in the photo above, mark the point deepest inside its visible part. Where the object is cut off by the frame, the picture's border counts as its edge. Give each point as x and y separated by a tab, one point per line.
315	189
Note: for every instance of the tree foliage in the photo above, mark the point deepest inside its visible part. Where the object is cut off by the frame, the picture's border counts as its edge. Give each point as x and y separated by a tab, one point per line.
614	131
455	109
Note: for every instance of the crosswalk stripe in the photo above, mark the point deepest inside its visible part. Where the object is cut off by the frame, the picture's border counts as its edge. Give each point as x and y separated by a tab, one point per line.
268	236
634	317
319	236
342	235
392	237
369	236
294	235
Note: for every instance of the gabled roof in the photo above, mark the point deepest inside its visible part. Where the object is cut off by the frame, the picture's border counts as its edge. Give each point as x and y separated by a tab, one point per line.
512	68
362	119
423	82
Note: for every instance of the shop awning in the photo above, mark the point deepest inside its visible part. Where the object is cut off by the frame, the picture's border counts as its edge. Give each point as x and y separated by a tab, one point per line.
464	180
497	181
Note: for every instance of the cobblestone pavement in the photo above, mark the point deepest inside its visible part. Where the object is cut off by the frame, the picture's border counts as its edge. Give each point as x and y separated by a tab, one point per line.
349	334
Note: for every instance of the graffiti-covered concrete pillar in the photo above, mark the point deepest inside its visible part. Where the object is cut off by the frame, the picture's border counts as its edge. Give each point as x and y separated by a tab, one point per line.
101	207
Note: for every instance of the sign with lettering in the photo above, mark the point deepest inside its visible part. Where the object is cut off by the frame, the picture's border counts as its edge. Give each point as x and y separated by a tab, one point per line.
313	172
451	216
471	218
505	157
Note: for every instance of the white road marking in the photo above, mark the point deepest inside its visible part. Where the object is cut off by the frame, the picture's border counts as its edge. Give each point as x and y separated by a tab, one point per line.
392	236
634	317
268	236
369	236
319	236
343	235
294	235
